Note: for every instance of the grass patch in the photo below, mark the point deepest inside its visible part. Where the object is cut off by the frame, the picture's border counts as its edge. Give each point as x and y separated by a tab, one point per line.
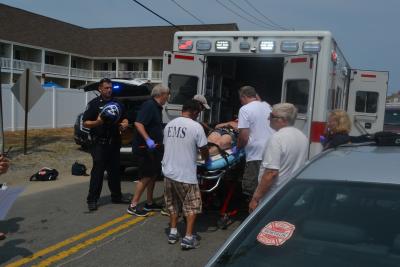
36	138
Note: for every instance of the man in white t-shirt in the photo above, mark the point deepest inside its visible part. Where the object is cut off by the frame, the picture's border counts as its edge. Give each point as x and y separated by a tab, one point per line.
254	132
183	137
285	152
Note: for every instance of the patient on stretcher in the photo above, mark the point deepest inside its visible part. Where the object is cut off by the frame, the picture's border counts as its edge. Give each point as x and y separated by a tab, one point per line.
221	140
223	136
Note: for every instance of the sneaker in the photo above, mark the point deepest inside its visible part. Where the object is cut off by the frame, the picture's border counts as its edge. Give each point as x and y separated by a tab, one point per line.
190	243
152	207
92	206
164	211
134	211
173	238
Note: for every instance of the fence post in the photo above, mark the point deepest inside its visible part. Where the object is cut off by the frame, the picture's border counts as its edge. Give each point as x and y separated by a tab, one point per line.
54	110
13	120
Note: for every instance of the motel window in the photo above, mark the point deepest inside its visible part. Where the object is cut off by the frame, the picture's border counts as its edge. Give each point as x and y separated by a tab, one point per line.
183	88
49	59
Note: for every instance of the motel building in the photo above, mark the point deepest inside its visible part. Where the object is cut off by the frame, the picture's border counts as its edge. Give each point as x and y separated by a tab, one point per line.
71	56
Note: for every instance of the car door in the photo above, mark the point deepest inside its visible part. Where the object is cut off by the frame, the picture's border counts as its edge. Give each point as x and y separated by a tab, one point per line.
366	102
183	73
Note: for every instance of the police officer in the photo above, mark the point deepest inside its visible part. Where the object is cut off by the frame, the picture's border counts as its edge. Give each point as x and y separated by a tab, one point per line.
106	118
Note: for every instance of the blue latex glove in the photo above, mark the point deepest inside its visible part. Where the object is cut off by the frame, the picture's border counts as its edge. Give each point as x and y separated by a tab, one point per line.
236	151
150	143
208	162
322	139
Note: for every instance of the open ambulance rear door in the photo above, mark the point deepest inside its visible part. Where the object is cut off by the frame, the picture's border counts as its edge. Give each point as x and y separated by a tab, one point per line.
297	87
366	102
183	73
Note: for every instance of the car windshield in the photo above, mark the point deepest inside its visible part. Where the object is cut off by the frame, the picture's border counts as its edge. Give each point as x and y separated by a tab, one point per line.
392	116
322	224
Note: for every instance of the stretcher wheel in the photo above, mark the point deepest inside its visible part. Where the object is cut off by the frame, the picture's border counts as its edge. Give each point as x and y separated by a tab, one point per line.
224	222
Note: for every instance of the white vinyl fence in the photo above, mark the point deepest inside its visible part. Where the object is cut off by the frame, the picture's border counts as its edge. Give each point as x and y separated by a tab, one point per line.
56	108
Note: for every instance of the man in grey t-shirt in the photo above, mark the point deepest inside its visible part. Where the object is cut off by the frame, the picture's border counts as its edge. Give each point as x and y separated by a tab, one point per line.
183	137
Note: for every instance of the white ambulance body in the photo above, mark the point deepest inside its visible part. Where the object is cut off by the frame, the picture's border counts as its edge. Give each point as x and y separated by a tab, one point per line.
305	68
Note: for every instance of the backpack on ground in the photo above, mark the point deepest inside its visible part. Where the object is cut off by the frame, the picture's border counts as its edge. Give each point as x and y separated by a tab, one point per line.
78	169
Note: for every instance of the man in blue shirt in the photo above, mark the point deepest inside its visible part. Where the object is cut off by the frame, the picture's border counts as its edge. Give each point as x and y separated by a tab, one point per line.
148	146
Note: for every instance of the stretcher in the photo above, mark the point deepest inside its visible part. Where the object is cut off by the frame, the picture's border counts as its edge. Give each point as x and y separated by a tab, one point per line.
219	184
221	160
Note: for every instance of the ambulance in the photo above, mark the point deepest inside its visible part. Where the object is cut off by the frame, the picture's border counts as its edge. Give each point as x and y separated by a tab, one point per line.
305	68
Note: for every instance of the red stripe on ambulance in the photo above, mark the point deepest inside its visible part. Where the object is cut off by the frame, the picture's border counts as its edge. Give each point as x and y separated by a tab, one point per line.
365	75
184	57
298	60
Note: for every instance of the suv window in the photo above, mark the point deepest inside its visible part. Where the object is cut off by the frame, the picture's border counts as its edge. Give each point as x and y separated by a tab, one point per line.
183	88
392	116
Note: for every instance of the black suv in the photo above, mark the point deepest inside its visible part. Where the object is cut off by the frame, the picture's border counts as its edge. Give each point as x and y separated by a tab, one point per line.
132	93
392	117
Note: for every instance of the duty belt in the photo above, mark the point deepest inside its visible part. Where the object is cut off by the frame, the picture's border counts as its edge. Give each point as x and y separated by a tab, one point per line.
104	141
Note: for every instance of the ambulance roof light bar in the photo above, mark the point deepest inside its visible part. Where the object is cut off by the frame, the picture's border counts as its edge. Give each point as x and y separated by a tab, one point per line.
289	46
203	45
267	46
185	45
222	45
312	46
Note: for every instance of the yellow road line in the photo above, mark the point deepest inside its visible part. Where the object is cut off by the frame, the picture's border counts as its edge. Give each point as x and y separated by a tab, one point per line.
86	243
67	242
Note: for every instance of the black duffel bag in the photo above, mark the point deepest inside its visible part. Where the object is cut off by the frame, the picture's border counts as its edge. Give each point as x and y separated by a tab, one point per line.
45	174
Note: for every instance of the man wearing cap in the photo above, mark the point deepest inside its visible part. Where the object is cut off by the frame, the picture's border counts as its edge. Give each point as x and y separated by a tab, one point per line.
203	102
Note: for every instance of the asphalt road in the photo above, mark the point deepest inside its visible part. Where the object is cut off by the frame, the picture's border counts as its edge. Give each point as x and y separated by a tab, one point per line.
53	228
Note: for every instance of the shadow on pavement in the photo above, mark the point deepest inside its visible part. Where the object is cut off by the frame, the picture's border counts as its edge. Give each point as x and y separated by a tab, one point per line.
10	249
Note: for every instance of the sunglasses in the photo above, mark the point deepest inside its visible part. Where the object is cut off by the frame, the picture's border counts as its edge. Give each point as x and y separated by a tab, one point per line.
272	116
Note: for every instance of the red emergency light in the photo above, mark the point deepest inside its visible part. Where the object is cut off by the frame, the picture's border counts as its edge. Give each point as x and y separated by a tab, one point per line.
185	45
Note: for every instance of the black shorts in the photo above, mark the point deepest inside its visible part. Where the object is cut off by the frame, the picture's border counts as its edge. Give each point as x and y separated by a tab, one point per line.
149	162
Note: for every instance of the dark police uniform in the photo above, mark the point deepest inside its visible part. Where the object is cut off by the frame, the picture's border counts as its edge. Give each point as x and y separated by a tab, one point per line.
150	115
105	151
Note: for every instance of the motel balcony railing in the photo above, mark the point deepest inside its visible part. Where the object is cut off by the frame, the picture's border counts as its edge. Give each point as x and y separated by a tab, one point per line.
104	74
22	65
56	69
81	73
5	63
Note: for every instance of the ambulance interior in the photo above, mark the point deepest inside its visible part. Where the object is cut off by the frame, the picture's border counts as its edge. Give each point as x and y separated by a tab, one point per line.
226	75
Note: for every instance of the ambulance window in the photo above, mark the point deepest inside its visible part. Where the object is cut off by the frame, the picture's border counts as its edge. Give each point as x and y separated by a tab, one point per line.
366	102
183	88
297	94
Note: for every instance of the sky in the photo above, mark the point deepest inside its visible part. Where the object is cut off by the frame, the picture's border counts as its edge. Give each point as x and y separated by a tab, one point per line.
367	31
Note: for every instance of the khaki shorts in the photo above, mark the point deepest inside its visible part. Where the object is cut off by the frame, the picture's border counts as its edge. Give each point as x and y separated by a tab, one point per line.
182	196
250	177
